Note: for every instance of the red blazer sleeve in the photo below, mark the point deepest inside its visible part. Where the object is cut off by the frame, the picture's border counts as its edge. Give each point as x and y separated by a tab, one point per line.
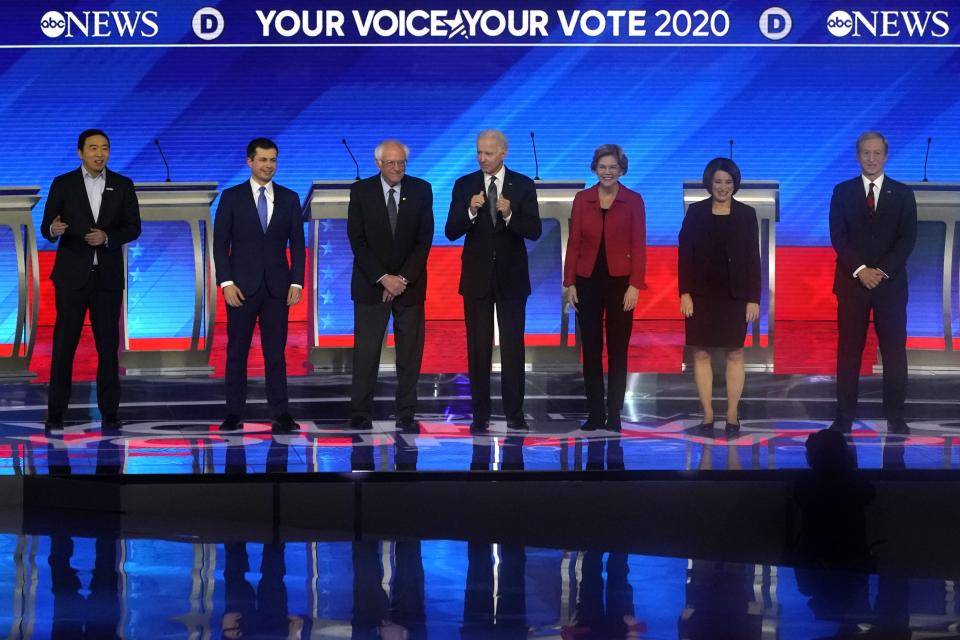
572	255
638	245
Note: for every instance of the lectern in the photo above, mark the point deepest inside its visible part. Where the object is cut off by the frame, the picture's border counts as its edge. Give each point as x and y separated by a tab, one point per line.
764	196
162	333
330	320
20	276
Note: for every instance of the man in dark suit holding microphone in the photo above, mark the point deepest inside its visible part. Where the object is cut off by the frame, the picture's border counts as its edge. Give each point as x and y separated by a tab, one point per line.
256	222
496	209
390	226
92	212
873	228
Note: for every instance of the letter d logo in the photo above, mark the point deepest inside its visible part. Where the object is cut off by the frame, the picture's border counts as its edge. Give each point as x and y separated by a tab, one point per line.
775	23
208	23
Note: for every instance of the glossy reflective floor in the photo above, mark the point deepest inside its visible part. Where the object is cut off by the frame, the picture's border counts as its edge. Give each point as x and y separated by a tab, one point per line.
172	426
71	587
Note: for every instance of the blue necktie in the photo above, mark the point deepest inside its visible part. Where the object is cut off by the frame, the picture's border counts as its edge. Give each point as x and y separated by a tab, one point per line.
262	208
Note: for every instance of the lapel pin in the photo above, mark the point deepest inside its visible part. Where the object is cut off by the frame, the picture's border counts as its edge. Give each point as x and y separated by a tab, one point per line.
108	189
402	199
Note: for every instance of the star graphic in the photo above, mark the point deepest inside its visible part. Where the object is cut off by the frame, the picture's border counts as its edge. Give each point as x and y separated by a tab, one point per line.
135	250
327	273
325	225
135	275
327	247
327	297
326	321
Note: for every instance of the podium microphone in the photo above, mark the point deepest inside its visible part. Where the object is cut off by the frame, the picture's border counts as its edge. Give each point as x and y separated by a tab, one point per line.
156	141
352	157
926	157
536	163
731	148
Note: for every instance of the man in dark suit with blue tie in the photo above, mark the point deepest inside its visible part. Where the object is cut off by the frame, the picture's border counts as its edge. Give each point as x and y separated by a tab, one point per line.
873	228
390	226
256	222
92	212
496	209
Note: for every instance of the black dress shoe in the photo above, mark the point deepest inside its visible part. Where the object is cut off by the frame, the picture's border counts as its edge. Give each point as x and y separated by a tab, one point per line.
842	426
360	423
613	424
592	423
53	423
231	423
479	426
408	424
732	427
110	422
518	425
898	426
284	423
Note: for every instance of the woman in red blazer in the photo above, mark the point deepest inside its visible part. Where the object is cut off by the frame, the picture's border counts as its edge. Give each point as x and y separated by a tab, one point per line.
719	278
603	272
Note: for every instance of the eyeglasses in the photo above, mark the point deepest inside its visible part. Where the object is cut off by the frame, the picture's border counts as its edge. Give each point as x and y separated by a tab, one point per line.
394	164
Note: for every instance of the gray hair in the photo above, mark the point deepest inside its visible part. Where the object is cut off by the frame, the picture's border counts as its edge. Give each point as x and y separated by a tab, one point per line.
496	135
872	135
378	152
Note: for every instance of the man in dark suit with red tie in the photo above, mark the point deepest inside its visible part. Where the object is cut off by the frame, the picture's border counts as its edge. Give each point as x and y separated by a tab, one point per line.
390	226
496	209
256	222
92	212
873	228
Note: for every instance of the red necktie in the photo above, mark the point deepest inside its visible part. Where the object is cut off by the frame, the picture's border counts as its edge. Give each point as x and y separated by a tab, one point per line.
871	201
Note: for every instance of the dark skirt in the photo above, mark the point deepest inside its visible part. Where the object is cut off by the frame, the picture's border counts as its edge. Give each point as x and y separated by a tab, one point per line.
717	321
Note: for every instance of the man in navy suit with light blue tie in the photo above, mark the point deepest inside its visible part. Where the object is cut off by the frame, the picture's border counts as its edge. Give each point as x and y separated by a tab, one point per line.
255	223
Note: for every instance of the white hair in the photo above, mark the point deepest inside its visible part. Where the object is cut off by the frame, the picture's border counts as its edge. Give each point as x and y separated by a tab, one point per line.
378	152
496	135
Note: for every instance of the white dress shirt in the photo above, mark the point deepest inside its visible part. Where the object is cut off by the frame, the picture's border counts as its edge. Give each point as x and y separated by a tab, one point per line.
487	177
877	185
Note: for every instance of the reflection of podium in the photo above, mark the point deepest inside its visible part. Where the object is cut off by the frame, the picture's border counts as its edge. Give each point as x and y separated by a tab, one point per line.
167	210
326	209
18	323
555	199
938	207
764	196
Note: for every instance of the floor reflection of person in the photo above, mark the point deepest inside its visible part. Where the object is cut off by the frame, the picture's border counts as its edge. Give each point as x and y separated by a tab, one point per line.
511	454
97	615
260	613
719	603
494	602
376	615
605	453
604	611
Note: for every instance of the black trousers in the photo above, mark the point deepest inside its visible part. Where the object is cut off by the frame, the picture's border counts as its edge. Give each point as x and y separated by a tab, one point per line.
511	318
272	314
72	306
369	327
601	305
889	305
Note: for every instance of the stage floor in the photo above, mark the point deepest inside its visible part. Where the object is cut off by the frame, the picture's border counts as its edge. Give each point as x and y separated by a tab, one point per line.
171	427
439	589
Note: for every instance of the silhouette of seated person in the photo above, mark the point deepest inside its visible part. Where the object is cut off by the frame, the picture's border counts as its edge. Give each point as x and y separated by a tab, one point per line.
260	613
376	616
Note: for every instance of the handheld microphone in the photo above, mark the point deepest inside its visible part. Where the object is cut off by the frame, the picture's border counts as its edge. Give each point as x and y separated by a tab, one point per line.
536	163
352	157
926	157
731	148
156	141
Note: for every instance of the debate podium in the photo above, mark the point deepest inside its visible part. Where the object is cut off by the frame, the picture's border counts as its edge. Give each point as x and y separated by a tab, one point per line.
938	208
181	208
325	208
555	199
764	196
18	324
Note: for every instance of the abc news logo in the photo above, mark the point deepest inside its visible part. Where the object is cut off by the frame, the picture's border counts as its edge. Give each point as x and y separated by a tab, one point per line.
99	24
889	24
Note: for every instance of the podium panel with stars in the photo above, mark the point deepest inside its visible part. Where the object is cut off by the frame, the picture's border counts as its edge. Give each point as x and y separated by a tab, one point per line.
169	304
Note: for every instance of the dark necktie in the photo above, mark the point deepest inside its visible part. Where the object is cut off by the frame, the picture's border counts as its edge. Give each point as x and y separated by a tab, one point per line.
262	208
871	201
392	210
492	199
